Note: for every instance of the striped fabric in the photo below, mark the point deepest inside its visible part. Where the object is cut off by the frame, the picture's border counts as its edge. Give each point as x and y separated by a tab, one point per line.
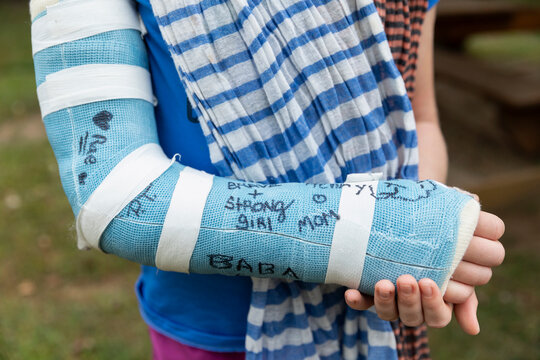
296	91
403	21
411	342
403	24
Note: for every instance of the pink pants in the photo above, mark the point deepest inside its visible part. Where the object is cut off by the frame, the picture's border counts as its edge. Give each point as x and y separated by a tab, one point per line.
165	348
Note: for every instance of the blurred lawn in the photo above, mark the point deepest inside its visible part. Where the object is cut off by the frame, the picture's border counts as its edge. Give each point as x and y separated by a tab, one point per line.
517	46
17	86
55	301
59	303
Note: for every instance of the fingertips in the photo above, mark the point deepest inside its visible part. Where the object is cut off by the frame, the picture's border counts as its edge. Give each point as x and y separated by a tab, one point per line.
409	302
357	300
466	315
385	300
472	274
436	312
457	293
484	252
428	290
489	226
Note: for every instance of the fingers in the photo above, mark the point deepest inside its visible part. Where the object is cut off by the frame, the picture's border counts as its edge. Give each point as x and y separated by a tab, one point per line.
484	252
466	315
472	274
409	302
457	293
436	312
489	226
385	300
420	302
358	301
416	302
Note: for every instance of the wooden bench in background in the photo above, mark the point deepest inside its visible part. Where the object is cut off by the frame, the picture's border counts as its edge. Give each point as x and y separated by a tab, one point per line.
459	19
513	89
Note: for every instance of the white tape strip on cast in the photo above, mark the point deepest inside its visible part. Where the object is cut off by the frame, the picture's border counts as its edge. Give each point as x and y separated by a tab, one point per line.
183	221
351	235
91	83
38	6
128	179
72	20
357	178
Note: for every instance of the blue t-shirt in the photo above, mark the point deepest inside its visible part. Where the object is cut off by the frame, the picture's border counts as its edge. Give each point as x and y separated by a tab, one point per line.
188	308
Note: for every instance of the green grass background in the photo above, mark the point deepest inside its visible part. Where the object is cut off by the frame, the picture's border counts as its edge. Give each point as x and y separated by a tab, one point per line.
59	303
55	302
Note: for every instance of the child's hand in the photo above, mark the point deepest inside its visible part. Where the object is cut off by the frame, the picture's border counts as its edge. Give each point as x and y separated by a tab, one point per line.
419	302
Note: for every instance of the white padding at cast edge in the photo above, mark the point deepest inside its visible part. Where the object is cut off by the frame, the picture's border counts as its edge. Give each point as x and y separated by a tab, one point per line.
468	219
144	30
183	221
351	234
91	83
38	6
127	180
356	178
72	20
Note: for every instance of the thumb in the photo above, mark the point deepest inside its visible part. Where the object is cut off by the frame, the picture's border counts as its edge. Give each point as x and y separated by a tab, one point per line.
466	315
357	300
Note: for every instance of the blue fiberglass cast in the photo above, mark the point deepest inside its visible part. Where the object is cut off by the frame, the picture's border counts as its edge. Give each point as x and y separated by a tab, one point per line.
102	130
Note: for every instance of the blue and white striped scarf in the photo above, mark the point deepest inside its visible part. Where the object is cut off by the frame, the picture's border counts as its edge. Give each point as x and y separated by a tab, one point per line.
296	91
